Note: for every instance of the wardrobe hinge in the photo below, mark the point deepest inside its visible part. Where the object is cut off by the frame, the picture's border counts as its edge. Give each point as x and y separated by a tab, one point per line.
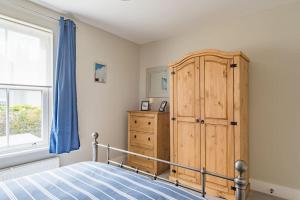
233	65
233	123
172	73
173	118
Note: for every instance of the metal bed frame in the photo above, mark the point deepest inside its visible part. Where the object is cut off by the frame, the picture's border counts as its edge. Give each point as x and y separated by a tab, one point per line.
240	181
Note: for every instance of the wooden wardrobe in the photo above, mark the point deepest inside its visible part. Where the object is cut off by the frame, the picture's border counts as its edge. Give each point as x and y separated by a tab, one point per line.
209	117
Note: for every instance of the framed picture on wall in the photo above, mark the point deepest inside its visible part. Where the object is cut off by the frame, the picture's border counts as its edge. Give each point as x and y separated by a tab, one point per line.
163	105
100	73
145	106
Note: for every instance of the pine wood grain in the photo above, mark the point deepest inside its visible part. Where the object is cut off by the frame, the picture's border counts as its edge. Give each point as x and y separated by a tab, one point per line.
206	95
149	134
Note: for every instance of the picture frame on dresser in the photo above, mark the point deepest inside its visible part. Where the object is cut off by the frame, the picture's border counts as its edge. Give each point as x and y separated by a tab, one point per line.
145	105
163	106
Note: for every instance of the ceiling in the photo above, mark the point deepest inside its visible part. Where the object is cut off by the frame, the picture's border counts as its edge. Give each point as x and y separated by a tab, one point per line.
143	21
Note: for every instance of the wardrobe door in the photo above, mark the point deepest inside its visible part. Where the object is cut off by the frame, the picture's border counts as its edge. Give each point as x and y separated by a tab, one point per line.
185	140
217	140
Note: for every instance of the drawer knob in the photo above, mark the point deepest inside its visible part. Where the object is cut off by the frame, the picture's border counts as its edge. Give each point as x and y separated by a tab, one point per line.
173	170
134	136
149	123
148	138
135	121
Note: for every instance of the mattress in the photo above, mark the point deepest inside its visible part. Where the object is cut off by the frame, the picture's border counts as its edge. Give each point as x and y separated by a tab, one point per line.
91	180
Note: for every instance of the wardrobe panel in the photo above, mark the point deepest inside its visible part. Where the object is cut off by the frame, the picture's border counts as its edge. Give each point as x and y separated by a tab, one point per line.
188	148
185	108
216	151
218	140
186	90
215	83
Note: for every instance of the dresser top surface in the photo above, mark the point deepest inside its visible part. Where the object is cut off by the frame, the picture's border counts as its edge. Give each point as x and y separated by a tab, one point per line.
147	112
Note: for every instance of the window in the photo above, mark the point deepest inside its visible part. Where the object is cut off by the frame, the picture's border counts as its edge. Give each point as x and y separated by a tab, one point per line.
25	85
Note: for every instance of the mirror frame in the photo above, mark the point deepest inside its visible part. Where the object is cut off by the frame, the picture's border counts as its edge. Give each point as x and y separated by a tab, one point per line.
148	80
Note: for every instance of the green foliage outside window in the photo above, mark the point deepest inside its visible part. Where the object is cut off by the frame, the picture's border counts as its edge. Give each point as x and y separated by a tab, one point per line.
23	119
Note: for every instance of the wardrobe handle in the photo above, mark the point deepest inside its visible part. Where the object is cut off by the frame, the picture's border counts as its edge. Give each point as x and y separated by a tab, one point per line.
134	136
135	121
148	138
198	120
149	123
202	121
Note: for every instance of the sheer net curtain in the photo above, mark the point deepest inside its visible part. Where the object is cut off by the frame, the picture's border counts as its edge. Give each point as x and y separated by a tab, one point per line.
24	55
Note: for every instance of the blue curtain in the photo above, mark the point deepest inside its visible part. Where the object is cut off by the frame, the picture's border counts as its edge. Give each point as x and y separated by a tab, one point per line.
64	131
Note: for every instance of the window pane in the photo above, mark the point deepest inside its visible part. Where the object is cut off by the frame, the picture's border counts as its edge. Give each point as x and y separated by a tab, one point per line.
25	114
2	42
3	104
24	54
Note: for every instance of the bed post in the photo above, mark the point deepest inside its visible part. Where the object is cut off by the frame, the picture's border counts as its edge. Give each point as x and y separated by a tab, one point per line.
240	181
95	135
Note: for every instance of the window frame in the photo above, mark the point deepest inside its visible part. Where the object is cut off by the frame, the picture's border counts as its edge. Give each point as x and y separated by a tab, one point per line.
46	100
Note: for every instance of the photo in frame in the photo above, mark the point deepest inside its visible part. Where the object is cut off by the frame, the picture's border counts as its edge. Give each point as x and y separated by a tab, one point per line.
145	106
100	73
163	105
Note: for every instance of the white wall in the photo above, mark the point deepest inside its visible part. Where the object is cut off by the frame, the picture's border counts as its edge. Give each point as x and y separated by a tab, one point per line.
271	39
101	107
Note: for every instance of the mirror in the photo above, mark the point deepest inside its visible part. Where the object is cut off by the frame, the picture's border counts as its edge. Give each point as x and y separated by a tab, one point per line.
157	82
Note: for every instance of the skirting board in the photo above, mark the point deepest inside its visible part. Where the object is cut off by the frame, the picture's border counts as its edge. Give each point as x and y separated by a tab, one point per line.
278	190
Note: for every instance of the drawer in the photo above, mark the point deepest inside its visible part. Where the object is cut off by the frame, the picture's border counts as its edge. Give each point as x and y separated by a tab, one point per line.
142	139
138	123
139	162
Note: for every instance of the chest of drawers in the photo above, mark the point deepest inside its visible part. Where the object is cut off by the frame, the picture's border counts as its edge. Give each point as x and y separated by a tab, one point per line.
149	134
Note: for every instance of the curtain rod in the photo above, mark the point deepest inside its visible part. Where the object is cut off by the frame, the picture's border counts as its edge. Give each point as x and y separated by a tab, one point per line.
35	12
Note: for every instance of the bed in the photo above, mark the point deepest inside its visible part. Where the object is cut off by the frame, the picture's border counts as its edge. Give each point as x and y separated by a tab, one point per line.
112	180
91	180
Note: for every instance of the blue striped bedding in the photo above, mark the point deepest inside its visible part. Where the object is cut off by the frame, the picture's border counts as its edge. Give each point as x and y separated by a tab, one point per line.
90	180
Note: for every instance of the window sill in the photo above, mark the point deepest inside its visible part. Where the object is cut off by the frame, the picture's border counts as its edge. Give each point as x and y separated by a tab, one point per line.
24	156
19	152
